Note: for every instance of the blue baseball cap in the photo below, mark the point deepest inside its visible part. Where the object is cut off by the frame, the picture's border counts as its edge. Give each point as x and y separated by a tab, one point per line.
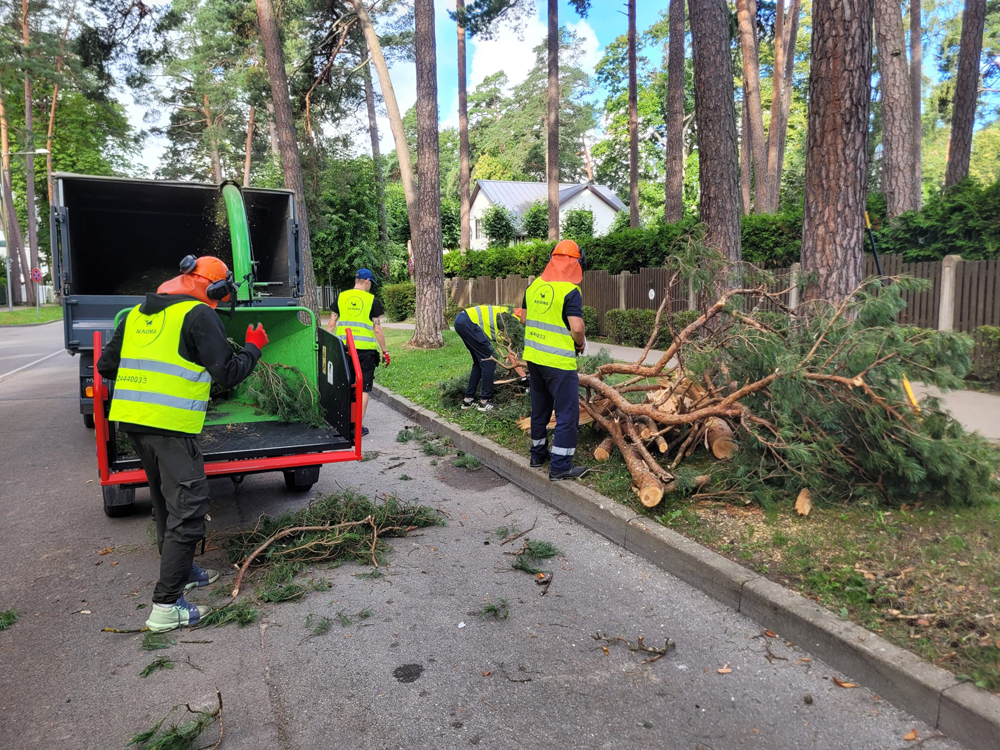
365	274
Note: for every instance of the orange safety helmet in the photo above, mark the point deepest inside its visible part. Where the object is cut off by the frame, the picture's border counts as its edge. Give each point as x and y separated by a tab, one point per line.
567	247
207	279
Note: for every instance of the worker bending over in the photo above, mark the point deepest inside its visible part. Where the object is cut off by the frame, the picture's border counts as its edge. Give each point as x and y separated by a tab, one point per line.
554	335
477	327
358	310
163	359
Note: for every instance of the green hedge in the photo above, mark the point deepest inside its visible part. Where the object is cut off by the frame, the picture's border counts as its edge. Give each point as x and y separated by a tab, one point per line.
986	356
400	301
634	327
590	320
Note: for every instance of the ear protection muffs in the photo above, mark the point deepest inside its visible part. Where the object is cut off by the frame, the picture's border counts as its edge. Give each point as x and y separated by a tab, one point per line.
188	263
217	290
582	259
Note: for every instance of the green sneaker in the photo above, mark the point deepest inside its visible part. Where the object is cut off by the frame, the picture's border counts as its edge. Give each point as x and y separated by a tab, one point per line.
181	615
201	577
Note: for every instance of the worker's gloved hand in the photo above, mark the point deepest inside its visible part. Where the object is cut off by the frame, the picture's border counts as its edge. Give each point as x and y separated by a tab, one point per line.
525	384
257	336
386	360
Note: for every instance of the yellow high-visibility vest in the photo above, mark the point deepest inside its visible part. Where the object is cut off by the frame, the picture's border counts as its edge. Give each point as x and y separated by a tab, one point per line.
485	316
547	340
355	306
156	386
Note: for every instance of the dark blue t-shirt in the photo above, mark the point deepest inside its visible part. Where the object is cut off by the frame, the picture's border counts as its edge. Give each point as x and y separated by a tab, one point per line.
572	305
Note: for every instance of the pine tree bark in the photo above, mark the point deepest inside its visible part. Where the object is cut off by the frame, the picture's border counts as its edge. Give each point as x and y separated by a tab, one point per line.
746	11
29	159
673	205
55	100
465	232
963	108
746	199
552	123
837	147
272	130
791	39
897	109
715	115
383	219
427	251
916	97
392	110
287	146
12	231
777	80
248	150
633	123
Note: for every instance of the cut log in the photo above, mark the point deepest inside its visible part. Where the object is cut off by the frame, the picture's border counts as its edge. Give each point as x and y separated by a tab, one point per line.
646	485
525	422
603	451
721	439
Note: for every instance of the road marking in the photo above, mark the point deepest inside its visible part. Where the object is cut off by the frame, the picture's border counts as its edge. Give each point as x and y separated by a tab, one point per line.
6	375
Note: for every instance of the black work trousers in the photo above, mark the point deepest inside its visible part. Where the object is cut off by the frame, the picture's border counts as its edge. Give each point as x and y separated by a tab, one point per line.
556	390
179	489
481	349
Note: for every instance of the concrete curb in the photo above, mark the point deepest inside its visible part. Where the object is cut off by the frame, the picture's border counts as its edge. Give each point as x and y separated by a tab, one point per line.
30	325
960	710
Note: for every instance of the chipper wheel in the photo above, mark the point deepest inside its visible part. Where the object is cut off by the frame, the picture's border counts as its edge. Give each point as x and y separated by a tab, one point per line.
119	500
302	478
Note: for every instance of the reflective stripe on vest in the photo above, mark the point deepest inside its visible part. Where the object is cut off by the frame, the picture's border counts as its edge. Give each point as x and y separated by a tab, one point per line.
355	312
485	316
155	386
547	340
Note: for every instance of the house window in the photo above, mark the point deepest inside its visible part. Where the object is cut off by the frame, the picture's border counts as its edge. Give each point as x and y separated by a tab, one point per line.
477	229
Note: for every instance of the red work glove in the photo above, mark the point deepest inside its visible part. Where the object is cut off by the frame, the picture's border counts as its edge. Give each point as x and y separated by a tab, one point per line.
257	336
386	356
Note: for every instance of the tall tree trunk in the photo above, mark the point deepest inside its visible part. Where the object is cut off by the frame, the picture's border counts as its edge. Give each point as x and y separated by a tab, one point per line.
465	236
747	14
586	157
272	130
746	199
392	109
791	39
213	142
897	109
29	159
552	122
916	96
246	158
963	108
289	150
427	252
12	229
633	123
383	219
715	115
837	147
55	100
673	206
777	78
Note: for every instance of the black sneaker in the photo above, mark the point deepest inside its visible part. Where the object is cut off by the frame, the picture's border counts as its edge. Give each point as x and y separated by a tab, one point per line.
537	463
573	472
485	406
364	431
467	403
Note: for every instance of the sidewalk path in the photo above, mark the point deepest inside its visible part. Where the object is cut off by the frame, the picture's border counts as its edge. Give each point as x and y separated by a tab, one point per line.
978	412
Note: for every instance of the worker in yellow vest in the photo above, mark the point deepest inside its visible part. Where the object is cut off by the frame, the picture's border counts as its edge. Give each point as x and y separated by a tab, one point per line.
163	359
359	310
478	327
554	335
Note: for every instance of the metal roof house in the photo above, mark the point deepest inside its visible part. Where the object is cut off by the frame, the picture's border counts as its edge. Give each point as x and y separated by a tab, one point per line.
518	197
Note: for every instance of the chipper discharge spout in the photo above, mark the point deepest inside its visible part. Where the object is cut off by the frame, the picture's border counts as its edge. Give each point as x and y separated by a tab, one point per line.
239	235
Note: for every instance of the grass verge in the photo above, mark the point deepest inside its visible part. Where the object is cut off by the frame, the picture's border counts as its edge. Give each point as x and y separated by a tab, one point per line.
925	578
26	315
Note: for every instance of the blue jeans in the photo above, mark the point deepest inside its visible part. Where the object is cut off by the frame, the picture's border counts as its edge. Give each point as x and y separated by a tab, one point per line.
481	349
559	390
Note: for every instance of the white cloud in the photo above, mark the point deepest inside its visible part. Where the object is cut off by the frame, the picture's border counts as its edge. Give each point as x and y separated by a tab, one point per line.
591	47
510	52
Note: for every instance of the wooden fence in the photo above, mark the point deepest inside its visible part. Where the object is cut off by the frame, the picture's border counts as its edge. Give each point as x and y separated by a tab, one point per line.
963	295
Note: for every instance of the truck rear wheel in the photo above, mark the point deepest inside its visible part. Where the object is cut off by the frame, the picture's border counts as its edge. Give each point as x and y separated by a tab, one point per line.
301	479
119	500
88	421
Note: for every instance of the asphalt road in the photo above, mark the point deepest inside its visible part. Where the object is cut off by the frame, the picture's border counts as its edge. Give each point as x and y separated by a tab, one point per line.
535	680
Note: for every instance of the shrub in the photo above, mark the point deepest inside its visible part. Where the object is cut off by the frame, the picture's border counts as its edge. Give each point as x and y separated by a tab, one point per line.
400	301
453	263
578	224
771	240
499	226
634	327
526	259
986	356
590	320
535	222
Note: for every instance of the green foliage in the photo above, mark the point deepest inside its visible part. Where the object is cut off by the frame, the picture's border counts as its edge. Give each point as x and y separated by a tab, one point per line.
525	259
592	362
157	641
182	736
986	356
161	663
451	223
578	224
318	625
400	301
7	618
467	461
771	240
634	327
499	225
632	249
498	609
964	220
241	613
590	320
532	552
535	221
